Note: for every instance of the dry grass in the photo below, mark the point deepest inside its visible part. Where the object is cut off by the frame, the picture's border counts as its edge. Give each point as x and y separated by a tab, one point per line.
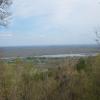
65	80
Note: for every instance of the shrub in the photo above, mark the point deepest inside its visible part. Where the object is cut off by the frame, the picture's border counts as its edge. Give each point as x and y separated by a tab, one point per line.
81	65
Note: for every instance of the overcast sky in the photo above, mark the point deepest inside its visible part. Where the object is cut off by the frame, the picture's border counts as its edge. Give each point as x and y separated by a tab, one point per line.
52	22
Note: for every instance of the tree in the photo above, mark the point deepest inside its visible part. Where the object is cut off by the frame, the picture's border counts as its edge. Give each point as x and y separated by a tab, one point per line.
4	12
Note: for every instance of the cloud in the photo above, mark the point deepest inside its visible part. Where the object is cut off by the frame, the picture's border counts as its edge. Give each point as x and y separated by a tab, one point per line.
6	35
54	10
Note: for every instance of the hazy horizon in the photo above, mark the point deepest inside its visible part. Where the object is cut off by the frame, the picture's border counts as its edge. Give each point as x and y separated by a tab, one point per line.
49	45
31	51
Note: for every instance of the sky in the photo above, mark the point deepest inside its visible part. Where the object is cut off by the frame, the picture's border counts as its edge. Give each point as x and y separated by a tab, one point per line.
51	22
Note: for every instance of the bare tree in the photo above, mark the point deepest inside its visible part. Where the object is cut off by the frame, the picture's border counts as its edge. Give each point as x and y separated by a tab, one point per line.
97	32
4	12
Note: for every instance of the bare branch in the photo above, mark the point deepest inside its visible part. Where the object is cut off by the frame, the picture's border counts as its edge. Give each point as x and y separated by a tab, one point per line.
97	32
